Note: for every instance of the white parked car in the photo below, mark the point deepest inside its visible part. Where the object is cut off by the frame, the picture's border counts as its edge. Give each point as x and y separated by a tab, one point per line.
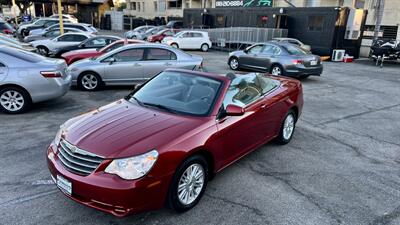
83	27
41	23
189	40
49	46
66	17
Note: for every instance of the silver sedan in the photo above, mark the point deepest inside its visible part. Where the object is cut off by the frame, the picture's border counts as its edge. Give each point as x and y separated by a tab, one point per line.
27	78
130	64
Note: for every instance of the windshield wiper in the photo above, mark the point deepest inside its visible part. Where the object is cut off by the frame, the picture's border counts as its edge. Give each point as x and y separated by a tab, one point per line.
160	107
137	100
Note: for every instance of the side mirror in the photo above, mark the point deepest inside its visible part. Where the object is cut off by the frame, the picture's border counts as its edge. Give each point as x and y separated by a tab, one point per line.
234	110
82	45
110	60
246	50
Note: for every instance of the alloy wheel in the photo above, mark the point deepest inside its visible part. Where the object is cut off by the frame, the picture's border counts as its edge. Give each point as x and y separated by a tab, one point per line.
204	47
288	127
234	64
276	71
89	81
191	184
12	100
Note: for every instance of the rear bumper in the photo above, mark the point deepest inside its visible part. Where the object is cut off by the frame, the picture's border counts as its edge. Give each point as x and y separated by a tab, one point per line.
295	71
109	193
56	88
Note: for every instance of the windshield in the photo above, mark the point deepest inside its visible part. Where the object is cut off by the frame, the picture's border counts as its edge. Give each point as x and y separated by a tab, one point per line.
40	22
179	93
179	33
293	50
161	31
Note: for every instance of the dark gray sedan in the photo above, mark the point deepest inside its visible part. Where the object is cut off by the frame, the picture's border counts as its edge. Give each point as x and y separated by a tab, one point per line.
277	59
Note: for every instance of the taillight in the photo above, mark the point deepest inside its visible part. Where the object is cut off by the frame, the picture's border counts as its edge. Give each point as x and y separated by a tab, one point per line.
297	62
7	31
51	74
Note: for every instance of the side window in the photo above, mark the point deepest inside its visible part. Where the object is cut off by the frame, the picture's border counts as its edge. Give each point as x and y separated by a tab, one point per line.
256	49
65	38
114	46
293	42
96	42
271	50
187	35
160	54
129	55
168	33
78	27
197	35
78	38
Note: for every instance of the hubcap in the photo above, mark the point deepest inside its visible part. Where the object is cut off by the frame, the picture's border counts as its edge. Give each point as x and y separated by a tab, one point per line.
42	51
288	127
276	71
12	100
89	81
204	47
191	184
234	64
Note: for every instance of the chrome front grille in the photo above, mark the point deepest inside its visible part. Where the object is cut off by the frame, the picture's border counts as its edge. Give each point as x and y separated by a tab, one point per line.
77	160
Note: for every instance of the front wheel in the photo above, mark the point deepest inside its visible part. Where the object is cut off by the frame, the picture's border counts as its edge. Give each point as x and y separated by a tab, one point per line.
204	47
43	50
174	45
287	128
188	184
89	81
234	63
14	100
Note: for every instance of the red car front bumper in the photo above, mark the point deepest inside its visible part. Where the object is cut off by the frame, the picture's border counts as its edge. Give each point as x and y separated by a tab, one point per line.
110	193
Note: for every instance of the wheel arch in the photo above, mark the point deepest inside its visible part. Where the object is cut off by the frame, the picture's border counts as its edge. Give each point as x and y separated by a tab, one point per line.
2	86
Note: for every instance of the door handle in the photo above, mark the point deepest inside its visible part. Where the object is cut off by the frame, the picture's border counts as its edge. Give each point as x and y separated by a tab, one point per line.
137	64
168	64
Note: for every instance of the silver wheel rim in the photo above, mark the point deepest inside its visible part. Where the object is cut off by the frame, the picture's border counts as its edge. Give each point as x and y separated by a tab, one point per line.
12	100
42	51
234	64
191	184
276	71
89	81
288	127
204	48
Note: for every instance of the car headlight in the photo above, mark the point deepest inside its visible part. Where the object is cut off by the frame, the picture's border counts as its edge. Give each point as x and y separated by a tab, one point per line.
57	139
133	167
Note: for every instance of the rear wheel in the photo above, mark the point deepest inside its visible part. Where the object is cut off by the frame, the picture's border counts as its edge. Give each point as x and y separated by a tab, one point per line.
287	128
89	81
276	70
43	50
14	100
234	63
188	184
204	47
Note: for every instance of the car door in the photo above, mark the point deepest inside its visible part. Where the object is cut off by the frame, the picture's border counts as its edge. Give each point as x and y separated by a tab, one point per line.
247	59
3	71
127	67
157	60
266	57
239	134
185	40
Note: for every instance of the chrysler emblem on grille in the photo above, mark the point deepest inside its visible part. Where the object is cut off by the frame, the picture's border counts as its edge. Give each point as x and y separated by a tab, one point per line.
73	149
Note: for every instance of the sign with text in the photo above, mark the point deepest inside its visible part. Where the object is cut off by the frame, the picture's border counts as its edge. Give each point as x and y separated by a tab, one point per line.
243	3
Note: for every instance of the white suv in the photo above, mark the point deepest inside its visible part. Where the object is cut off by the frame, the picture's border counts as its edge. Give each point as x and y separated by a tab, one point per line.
189	40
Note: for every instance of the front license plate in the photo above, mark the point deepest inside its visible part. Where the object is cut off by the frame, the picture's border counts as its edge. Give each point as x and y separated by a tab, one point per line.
64	185
313	63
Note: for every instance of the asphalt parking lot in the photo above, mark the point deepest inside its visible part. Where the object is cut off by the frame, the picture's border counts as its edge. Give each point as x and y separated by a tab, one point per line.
342	166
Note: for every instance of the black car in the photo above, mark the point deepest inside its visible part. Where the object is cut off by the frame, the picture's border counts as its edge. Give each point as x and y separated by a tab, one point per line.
6	28
94	42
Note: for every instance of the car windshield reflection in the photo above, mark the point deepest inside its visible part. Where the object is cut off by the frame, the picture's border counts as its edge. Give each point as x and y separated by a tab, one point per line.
180	93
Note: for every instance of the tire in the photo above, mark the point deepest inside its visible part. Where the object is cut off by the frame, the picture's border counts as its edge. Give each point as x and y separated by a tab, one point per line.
89	81
284	137
276	70
42	50
304	76
174	45
174	200
14	100
233	63
204	47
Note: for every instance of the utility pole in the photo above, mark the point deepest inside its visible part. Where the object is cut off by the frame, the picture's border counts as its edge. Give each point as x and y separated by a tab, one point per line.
379	6
60	16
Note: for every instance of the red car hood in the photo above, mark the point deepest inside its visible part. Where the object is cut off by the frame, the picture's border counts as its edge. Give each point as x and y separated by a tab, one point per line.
123	129
83	52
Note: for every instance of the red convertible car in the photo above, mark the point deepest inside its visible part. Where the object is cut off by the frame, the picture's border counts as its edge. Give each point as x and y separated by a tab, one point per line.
161	35
164	141
73	56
